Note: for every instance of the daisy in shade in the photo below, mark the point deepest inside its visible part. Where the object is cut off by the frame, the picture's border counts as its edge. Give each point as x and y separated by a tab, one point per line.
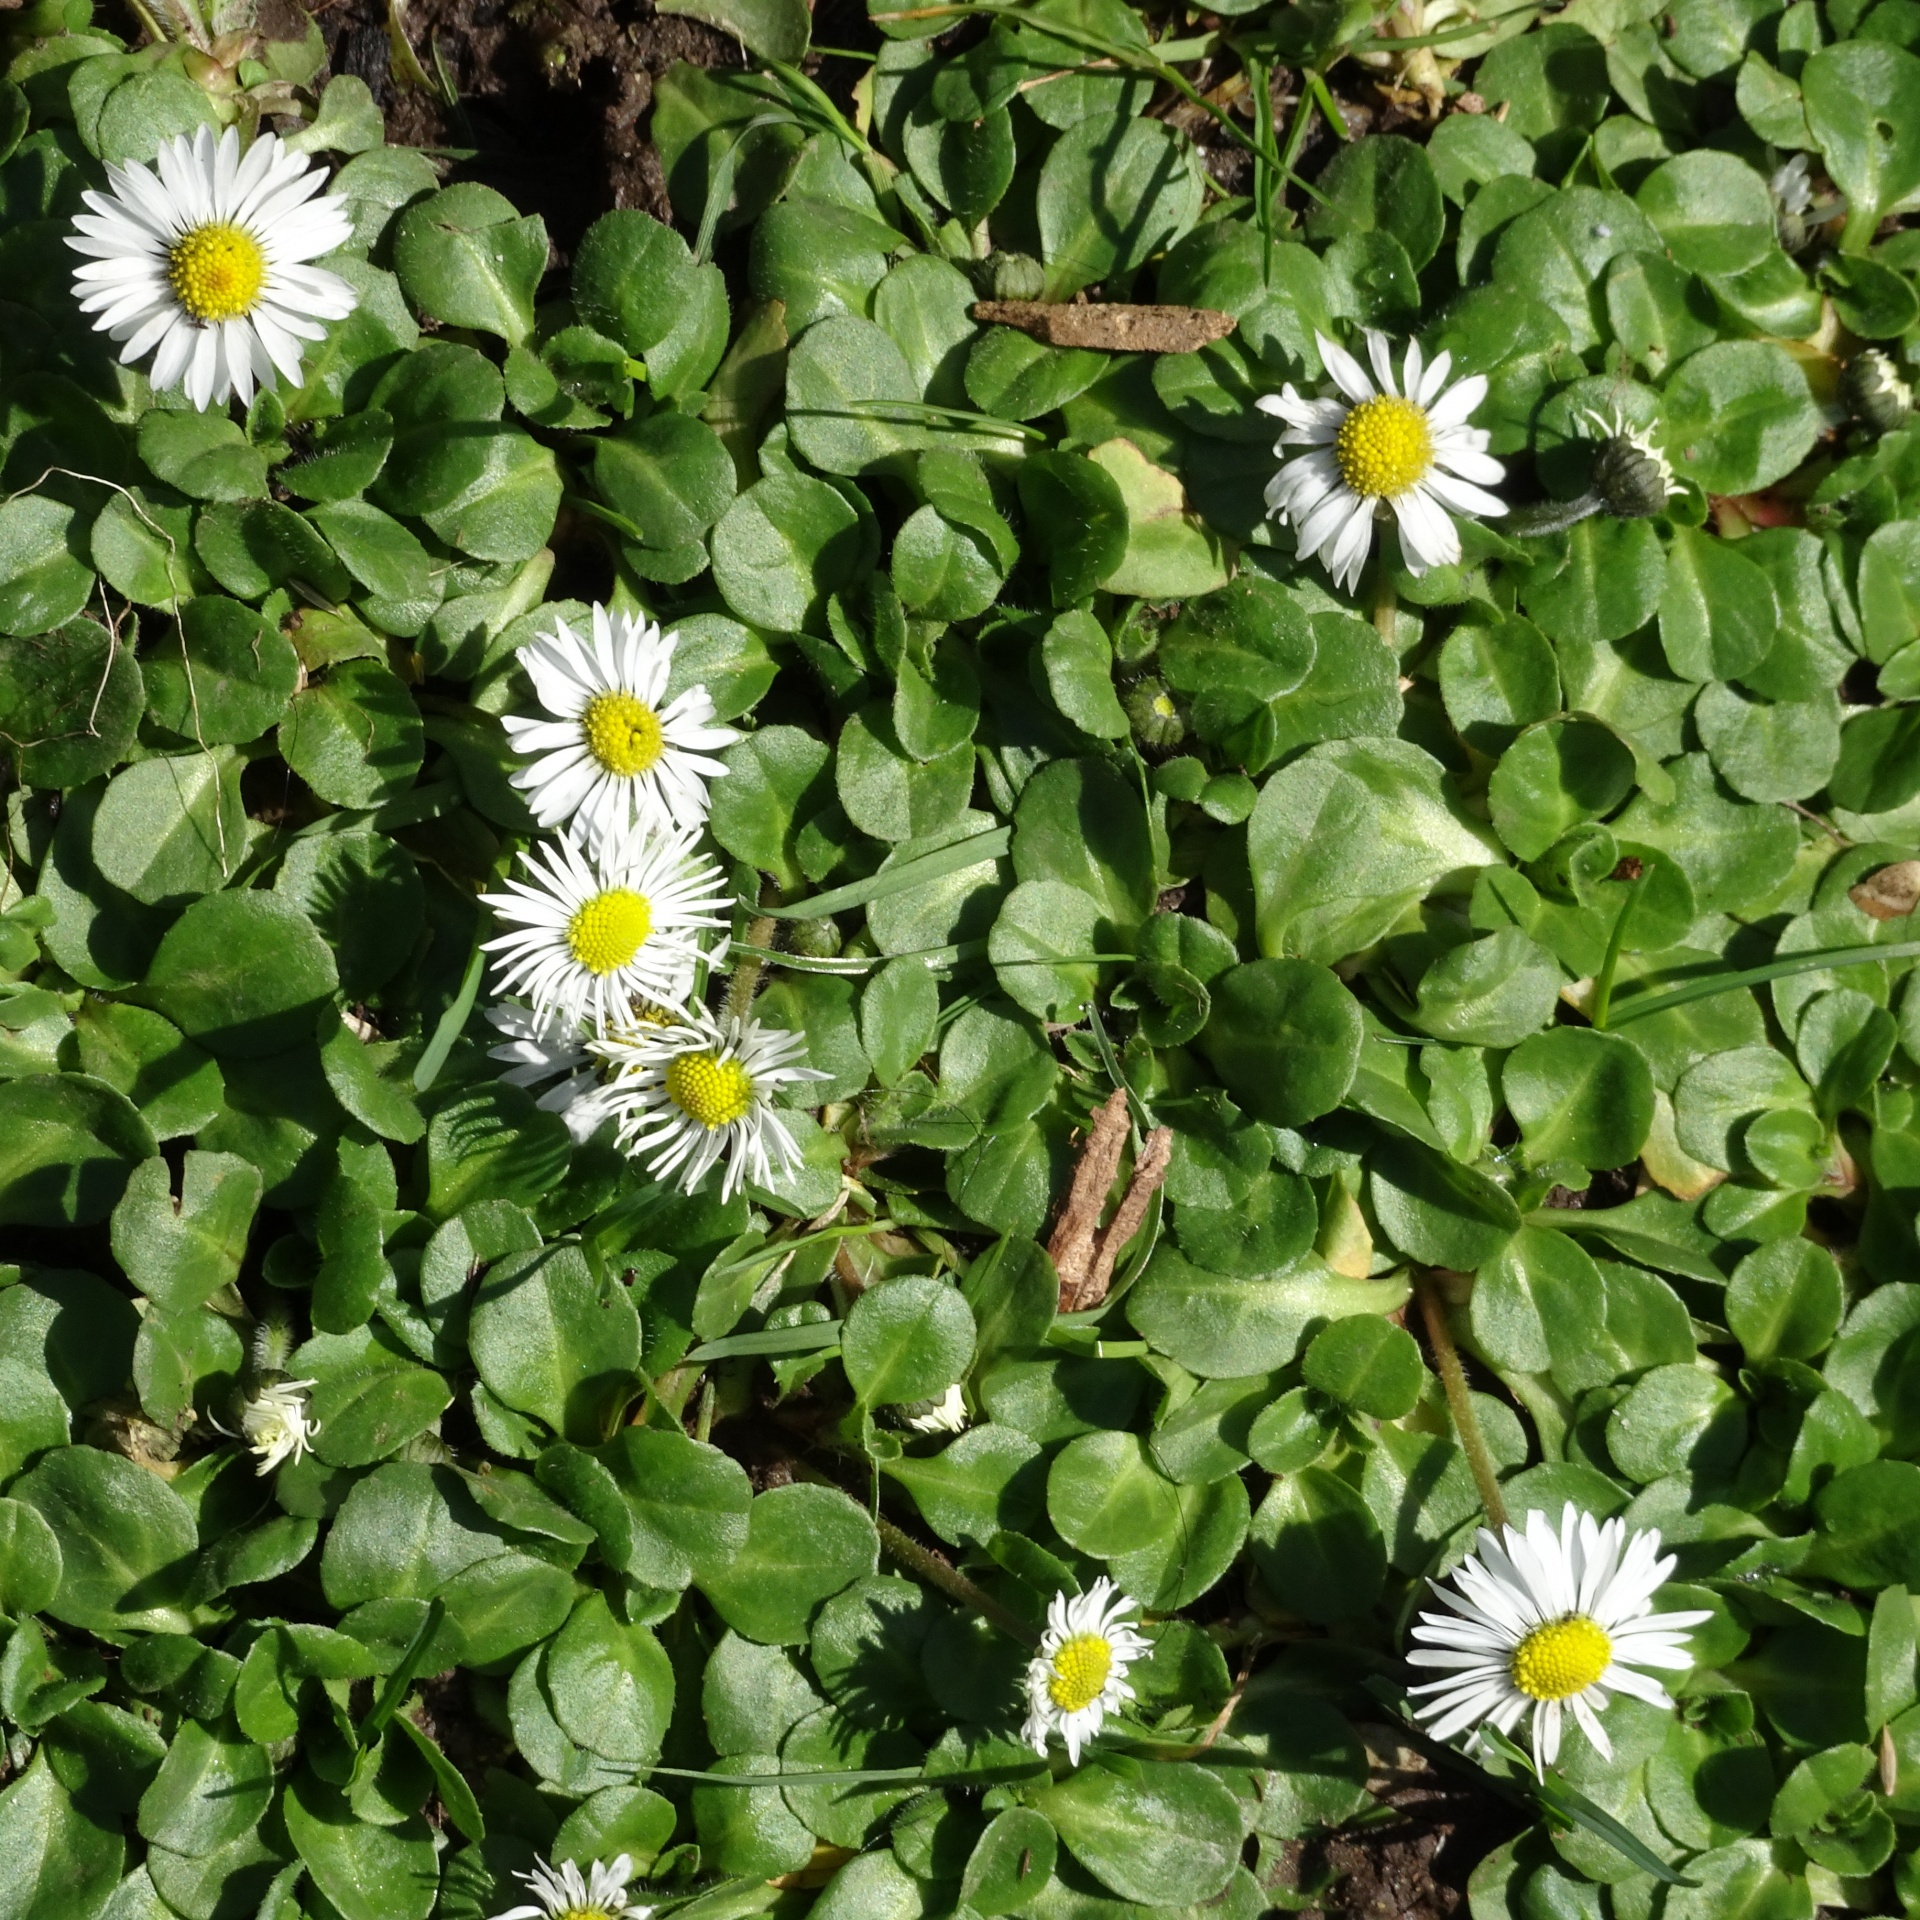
536	1052
701	1091
1540	1622
616	752
1402	447
563	1892
948	1414
275	1424
1079	1676
586	937
202	261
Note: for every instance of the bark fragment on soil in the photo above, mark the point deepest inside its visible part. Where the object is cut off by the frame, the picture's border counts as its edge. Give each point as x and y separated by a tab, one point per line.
1109	328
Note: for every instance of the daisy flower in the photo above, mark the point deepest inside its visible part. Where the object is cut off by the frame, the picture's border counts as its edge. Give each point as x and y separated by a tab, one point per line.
1406	448
702	1090
203	263
565	1893
948	1414
1079	1676
536	1051
275	1425
1543	1622
616	753
589	936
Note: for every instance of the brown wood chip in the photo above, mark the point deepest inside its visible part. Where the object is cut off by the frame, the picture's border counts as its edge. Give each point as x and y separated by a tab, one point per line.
1109	329
1890	894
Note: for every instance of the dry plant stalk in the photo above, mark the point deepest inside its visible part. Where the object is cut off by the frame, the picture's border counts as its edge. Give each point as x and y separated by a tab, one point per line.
1082	1251
1109	329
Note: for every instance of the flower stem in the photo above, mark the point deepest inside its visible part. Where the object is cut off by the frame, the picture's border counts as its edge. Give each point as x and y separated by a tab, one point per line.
1386	606
936	1570
1551	516
1453	1382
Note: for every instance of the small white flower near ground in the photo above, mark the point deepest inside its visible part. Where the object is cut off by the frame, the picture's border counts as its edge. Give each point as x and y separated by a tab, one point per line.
591	935
276	1425
202	261
614	753
701	1090
563	1892
1547	1623
1079	1675
1401	447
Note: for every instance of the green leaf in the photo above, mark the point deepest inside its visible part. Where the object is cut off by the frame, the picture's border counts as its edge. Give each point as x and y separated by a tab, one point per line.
611	1685
211	1789
180	1251
1713	211
171	827
355	737
1314	1540
1383	183
465	258
69	703
687	1505
1113	191
242	973
1860	99
224	676
1147	1831
67	1146
804	1543
1284	1037
368	1872
46	573
1583	1099
57	1860
1366	1363
552	1341
1739	416
908	1340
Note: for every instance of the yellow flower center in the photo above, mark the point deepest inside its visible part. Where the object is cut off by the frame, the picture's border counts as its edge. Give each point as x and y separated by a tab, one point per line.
714	1091
1163	706
609	930
1561	1659
1080	1672
582	1913
623	733
216	272
1384	446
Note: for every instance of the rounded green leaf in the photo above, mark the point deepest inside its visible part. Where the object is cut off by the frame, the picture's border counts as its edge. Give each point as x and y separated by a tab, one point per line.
1317	1547
1366	1363
910	1339
1583	1099
242	973
804	1543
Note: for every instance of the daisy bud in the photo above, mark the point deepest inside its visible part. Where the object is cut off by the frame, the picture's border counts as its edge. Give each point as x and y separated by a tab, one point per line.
1874	393
1157	722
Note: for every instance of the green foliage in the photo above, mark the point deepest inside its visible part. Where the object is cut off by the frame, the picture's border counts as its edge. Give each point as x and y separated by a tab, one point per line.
1529	937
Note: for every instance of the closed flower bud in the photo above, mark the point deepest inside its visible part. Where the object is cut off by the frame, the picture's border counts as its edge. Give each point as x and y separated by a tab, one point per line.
1874	393
1017	276
815	939
1157	721
1633	478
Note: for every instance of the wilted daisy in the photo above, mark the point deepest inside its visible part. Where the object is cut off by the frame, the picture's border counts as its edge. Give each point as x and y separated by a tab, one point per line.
563	1892
948	1414
1403	447
702	1090
274	1423
591	935
1543	1621
616	753
1079	1676
202	262
537	1051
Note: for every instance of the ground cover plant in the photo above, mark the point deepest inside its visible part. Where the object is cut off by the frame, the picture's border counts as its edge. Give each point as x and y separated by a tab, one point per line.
972	1039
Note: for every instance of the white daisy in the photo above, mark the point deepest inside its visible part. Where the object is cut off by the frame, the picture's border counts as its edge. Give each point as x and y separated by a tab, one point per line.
1406	447
565	1893
616	753
1791	185
554	1049
592	935
702	1090
203	263
948	1414
274	1423
1544	1621
1079	1676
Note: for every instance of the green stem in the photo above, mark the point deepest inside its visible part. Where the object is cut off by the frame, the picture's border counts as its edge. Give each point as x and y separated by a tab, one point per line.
1453	1382
1602	1002
1551	516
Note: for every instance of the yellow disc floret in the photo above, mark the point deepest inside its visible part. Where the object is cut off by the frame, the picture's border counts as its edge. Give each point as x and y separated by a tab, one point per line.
216	272
1562	1658
623	733
709	1088
608	930
1384	446
1080	1672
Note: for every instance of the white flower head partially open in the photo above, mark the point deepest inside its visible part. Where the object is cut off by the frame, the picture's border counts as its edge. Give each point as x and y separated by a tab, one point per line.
203	259
563	1892
1547	1623
550	1054
1079	1675
1402	447
591	935
275	1423
615	753
948	1414
701	1090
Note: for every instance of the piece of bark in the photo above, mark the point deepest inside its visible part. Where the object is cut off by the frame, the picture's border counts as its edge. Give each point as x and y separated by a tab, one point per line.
1109	329
1148	1173
1073	1244
1890	894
